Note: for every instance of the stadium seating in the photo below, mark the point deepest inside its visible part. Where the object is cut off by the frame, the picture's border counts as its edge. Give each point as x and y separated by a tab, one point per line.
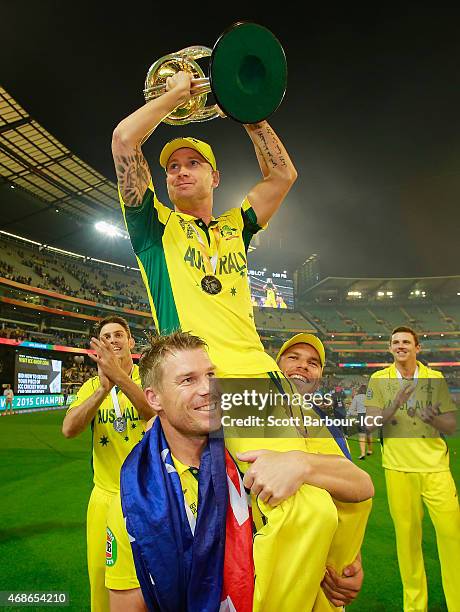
269	319
71	276
354	330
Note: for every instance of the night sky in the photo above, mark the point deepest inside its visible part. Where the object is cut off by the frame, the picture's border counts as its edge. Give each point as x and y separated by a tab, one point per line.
370	117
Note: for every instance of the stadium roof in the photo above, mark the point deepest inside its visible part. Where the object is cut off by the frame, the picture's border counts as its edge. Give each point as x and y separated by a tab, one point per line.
32	159
39	177
369	287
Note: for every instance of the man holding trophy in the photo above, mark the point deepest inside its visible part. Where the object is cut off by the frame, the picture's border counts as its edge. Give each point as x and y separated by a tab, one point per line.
195	270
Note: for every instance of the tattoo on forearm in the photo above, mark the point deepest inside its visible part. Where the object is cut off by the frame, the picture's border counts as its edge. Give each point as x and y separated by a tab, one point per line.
269	146
133	175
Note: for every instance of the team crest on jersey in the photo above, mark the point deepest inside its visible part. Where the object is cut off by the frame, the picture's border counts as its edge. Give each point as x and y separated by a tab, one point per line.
228	232
110	549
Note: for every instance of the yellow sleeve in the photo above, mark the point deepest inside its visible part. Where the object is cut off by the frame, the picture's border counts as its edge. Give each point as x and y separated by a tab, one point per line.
374	395
444	396
120	572
86	390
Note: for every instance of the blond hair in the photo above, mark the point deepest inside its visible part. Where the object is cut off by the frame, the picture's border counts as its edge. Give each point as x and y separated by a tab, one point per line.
154	354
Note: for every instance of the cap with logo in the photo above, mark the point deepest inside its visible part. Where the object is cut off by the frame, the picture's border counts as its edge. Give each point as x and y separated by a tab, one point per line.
187	143
305	339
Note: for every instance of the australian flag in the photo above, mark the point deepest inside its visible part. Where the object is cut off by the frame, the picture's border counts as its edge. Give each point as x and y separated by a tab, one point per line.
185	565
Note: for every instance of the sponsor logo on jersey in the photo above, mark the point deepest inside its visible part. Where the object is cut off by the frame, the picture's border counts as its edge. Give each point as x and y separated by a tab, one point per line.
110	549
228	233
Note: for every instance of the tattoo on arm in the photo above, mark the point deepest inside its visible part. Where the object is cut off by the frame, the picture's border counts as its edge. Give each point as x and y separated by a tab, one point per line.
133	176
269	146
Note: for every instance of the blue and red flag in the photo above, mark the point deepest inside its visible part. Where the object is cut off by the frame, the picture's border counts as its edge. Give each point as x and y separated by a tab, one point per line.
183	566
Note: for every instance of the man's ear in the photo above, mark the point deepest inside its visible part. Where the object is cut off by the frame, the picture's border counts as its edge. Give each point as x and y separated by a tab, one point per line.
215	178
153	399
131	343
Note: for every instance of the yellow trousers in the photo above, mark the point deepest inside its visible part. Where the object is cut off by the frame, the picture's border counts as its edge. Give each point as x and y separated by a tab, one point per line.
301	536
407	492
346	543
304	534
96	535
291	549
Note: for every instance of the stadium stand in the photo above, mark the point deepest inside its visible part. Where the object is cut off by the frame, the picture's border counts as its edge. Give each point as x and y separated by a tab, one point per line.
354	317
70	293
65	274
52	296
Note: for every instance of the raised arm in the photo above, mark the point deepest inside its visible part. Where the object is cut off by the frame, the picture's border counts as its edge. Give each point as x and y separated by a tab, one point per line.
133	173
277	169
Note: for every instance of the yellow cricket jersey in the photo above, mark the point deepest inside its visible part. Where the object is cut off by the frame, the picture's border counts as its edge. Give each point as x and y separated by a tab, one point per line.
270	298
120	570
175	251
409	444
111	448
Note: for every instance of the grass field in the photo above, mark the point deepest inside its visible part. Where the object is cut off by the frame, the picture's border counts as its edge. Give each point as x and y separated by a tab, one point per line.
45	482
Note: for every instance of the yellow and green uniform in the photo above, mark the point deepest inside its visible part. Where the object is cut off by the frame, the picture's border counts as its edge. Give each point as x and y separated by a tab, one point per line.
416	461
110	449
169	247
270	298
174	251
120	571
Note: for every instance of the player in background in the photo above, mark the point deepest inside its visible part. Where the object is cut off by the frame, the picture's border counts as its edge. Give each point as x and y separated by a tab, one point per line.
270	294
358	408
302	359
280	303
107	406
412	402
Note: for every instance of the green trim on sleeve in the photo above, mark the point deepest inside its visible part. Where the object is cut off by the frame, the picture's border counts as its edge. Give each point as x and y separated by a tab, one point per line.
143	223
250	225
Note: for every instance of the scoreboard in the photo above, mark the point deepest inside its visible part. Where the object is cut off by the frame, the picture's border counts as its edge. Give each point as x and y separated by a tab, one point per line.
37	375
271	288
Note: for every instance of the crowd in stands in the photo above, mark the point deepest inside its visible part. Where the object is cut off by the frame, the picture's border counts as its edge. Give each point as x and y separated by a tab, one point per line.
14	333
7	271
75	371
91	285
94	281
49	336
